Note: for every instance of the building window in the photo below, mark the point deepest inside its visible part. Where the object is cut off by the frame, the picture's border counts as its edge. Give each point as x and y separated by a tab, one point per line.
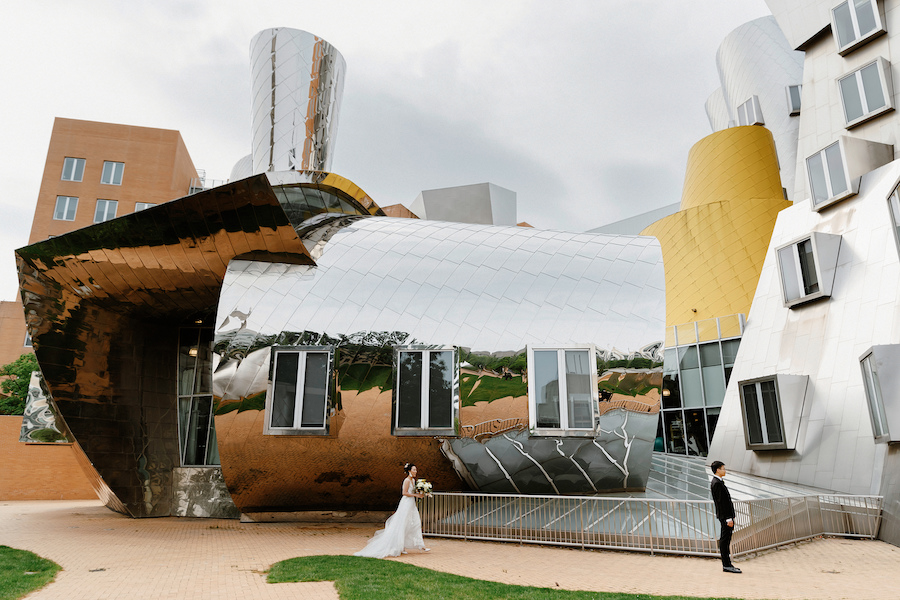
106	210
28	343
562	389
426	390
299	399
73	169
828	180
894	208
874	397
112	173
65	208
762	414
749	113
854	23
866	92
139	206
807	267
793	99
196	407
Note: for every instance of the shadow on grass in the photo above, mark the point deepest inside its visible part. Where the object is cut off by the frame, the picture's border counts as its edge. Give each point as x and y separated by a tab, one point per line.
358	578
22	572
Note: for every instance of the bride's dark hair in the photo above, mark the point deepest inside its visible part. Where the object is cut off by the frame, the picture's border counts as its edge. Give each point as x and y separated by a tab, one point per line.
408	467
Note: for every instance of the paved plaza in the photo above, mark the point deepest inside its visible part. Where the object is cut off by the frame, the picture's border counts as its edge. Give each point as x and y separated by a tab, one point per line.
107	556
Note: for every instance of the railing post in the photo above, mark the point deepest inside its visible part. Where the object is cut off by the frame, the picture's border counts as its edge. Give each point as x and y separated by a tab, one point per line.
521	532
650	526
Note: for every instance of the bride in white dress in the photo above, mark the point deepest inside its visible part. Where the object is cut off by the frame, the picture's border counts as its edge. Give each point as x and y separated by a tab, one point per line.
403	529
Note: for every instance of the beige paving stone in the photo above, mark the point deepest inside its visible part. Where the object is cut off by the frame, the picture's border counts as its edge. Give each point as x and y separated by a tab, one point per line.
107	556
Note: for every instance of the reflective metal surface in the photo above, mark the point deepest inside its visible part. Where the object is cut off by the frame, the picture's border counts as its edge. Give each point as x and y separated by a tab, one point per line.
39	421
297	80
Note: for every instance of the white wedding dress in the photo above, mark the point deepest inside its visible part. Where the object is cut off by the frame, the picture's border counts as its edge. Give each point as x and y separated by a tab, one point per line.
403	529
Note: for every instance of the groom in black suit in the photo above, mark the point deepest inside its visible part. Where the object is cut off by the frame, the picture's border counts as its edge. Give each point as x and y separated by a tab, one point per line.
724	512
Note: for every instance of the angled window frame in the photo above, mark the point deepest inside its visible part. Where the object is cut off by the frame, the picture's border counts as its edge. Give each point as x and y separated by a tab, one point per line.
868	364
113	172
66	208
893	201
73	169
288	377
105	210
797	275
139	206
423	394
562	407
749	112
832	160
850	9
885	85
794	100
777	427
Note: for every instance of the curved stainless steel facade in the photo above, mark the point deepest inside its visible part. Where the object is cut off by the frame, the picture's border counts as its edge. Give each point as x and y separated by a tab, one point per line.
297	80
756	59
717	111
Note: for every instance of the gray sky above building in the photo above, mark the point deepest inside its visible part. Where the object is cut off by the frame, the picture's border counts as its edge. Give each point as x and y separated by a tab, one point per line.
586	109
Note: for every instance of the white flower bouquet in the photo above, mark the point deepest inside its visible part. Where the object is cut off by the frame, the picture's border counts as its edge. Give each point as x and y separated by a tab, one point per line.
424	487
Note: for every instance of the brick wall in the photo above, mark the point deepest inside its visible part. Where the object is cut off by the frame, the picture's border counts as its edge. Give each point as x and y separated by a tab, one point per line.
38	471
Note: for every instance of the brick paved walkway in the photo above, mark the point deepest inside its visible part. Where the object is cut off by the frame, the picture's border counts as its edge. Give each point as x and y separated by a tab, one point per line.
107	556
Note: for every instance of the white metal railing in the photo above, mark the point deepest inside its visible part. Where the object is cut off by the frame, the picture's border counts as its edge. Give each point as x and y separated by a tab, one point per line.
652	525
201	184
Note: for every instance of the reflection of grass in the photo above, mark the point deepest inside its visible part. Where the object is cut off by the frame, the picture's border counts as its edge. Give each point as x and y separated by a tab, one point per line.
490	388
46	435
358	578
22	572
630	384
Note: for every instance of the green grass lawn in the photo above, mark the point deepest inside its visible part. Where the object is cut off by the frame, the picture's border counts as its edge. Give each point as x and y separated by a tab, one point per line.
360	578
22	572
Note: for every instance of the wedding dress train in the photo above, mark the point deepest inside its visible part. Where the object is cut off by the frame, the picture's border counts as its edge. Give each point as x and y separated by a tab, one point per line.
403	529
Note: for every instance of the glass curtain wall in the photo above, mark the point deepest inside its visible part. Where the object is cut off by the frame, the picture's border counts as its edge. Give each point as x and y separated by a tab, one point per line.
695	375
196	426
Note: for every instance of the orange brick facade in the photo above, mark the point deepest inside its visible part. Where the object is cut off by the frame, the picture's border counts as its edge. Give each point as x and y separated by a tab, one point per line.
12	332
157	168
39	471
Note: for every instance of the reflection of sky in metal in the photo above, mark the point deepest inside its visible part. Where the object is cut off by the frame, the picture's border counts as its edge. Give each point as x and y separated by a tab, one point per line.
482	287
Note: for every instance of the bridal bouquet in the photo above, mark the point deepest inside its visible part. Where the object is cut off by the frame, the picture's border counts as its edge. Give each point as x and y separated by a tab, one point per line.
423	487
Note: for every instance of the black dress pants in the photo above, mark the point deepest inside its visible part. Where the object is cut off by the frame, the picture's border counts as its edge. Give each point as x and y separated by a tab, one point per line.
725	544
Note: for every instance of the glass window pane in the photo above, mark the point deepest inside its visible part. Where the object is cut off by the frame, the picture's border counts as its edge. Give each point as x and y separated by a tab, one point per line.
794	95
835	162
203	351
895	212
751	414
853	108
844	24
578	389
671	396
696	432
871	81
865	16
817	178
184	419
873	395
674	430
808	267
729	351
198	430
212	447
546	386
314	390
770	409
691	391
284	389
790	278
440	389
409	411
712	418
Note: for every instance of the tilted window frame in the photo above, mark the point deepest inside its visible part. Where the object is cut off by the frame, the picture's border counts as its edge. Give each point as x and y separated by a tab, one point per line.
790	397
750	111
76	162
424	429
794	110
833	198
112	173
268	428
66	204
107	203
563	408
883	68
884	412
825	250
858	39
893	201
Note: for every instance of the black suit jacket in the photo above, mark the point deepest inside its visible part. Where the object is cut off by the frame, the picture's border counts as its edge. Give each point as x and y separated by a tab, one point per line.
722	499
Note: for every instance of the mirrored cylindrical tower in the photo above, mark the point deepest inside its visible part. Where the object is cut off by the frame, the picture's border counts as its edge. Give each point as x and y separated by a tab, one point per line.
297	80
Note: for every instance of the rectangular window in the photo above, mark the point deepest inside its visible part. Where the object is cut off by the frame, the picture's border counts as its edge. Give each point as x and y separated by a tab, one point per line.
28	343
73	169
112	173
139	206
866	92
426	390
854	23
762	414
807	267
562	386
828	179
106	210
874	397
749	113
196	407
894	208
65	208
299	391
793	99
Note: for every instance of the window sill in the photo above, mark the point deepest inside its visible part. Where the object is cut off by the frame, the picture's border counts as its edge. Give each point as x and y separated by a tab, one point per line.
868	117
562	433
854	189
861	41
806	299
299	432
449	432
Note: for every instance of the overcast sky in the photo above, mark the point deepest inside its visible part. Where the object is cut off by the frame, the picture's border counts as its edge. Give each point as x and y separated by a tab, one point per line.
586	109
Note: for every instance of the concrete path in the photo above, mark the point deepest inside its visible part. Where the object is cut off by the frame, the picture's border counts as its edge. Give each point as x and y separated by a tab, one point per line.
107	556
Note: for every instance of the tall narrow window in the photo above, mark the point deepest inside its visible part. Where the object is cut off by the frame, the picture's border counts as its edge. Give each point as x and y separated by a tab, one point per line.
426	390
750	113
73	169
562	388
762	413
854	23
65	208
866	92
299	400
874	397
112	173
894	208
793	99
105	210
827	175
196	425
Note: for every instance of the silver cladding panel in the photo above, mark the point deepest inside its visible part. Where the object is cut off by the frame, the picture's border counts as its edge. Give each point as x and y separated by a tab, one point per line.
297	80
486	288
717	111
755	59
835	448
483	203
